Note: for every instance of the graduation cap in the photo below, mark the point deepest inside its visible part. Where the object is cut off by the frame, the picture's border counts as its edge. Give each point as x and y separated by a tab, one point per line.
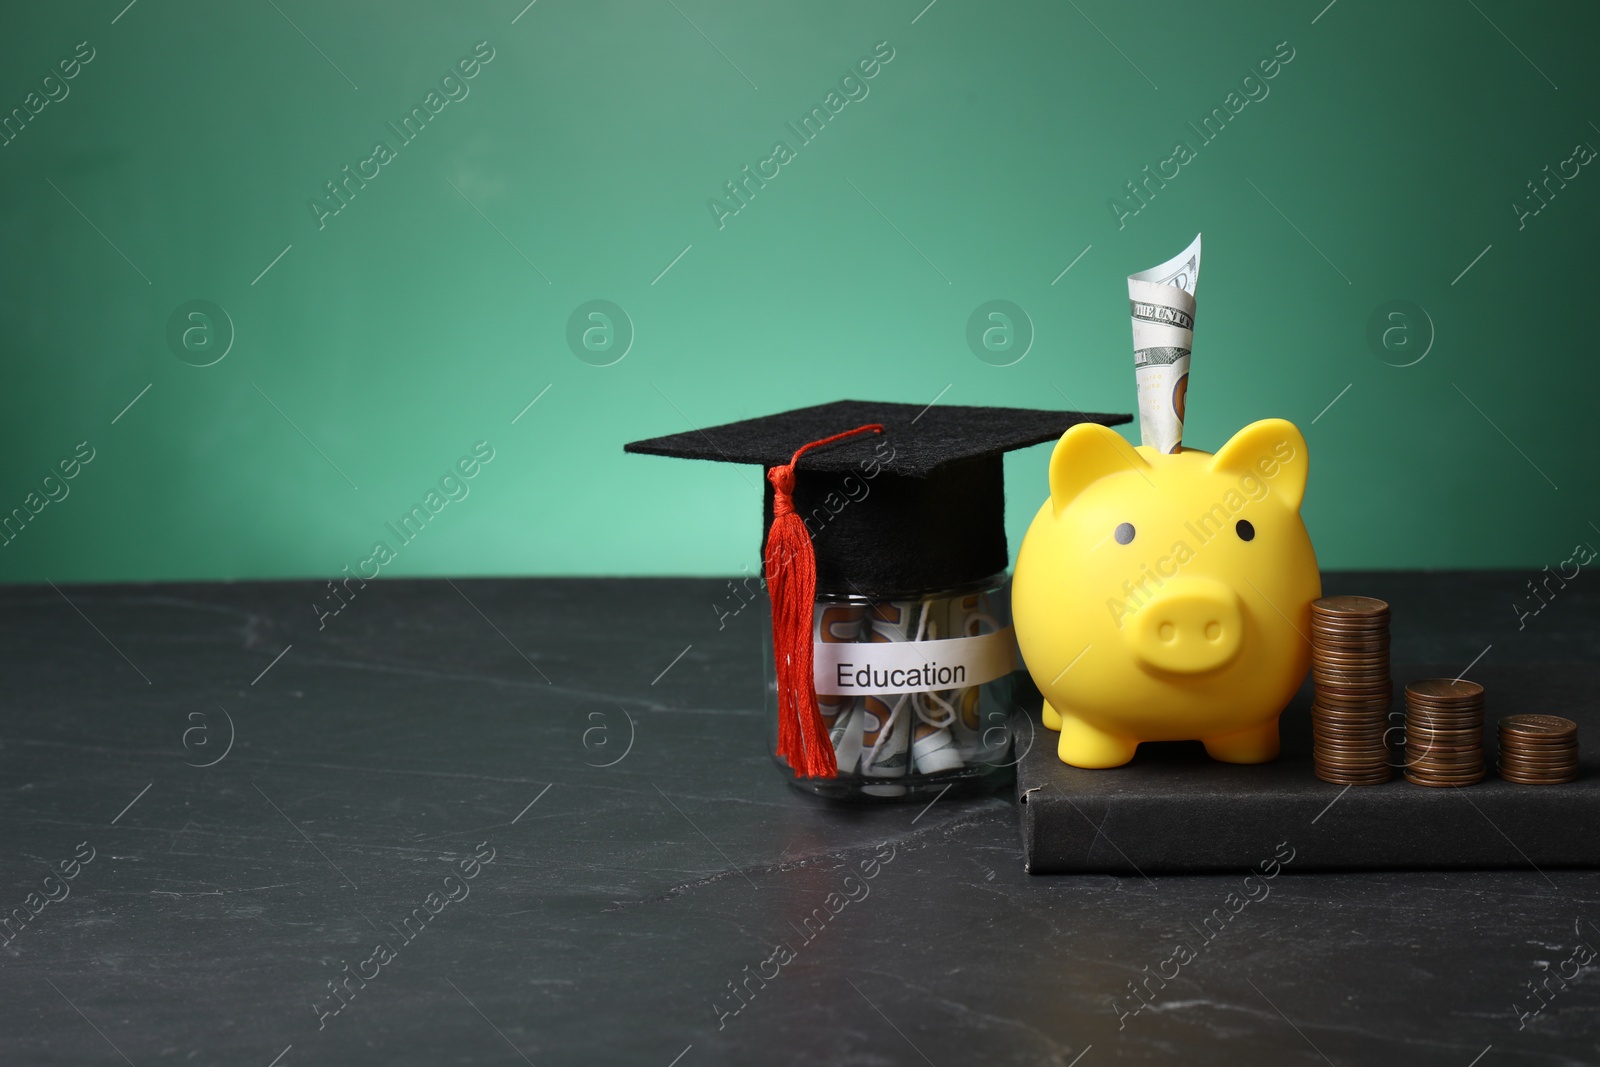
872	500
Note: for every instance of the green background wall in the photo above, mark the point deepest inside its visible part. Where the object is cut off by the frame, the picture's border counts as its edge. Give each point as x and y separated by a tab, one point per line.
427	313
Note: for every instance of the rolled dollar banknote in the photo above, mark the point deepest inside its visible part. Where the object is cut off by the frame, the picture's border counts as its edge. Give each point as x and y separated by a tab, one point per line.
885	740
976	739
841	715
886	729
1161	301
933	749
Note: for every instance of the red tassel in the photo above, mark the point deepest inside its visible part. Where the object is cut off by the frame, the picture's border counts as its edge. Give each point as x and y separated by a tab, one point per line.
791	568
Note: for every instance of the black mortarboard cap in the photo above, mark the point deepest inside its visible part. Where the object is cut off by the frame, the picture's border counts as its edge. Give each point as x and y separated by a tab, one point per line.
918	508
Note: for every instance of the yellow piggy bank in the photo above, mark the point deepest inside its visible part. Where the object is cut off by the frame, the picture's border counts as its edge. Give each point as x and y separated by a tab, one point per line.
1168	597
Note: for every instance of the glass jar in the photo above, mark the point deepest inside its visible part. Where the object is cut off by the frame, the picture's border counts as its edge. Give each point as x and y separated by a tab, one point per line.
917	693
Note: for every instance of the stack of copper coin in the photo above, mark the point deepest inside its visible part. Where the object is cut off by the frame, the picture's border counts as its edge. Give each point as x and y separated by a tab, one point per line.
1538	749
1350	667
1444	732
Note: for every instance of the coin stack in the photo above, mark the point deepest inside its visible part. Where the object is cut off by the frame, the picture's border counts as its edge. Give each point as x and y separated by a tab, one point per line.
1350	667
1538	749
1444	732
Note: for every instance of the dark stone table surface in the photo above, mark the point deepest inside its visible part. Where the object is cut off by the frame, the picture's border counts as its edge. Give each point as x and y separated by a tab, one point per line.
549	801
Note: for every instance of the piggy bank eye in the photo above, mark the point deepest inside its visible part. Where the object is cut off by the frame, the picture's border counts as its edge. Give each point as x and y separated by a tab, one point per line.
1245	530
1124	533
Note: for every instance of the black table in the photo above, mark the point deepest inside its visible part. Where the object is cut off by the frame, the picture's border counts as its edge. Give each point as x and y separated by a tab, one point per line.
611	909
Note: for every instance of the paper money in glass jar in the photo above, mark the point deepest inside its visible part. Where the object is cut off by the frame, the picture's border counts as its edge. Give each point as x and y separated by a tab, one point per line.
881	507
933	749
841	715
886	733
980	729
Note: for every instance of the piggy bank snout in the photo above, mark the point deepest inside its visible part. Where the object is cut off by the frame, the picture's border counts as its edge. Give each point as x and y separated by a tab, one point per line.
1190	626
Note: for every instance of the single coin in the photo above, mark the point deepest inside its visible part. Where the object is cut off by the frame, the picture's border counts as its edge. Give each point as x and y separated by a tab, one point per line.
1441	721
1459	726
1548	752
1376	685
1328	622
1445	733
1538	765
1451	773
1371	718
1520	780
1422	770
1444	711
1524	744
1539	725
1350	739
1351	688
1362	747
1444	689
1554	759
1350	765
1350	730
1354	738
1564	774
1375	628
1538	779
1537	744
1360	711
1324	632
1426	706
1362	768
1350	605
1433	750
1540	768
1441	749
1348	745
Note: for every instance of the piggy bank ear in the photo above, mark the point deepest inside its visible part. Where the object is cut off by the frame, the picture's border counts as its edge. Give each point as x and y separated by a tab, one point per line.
1086	453
1272	450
